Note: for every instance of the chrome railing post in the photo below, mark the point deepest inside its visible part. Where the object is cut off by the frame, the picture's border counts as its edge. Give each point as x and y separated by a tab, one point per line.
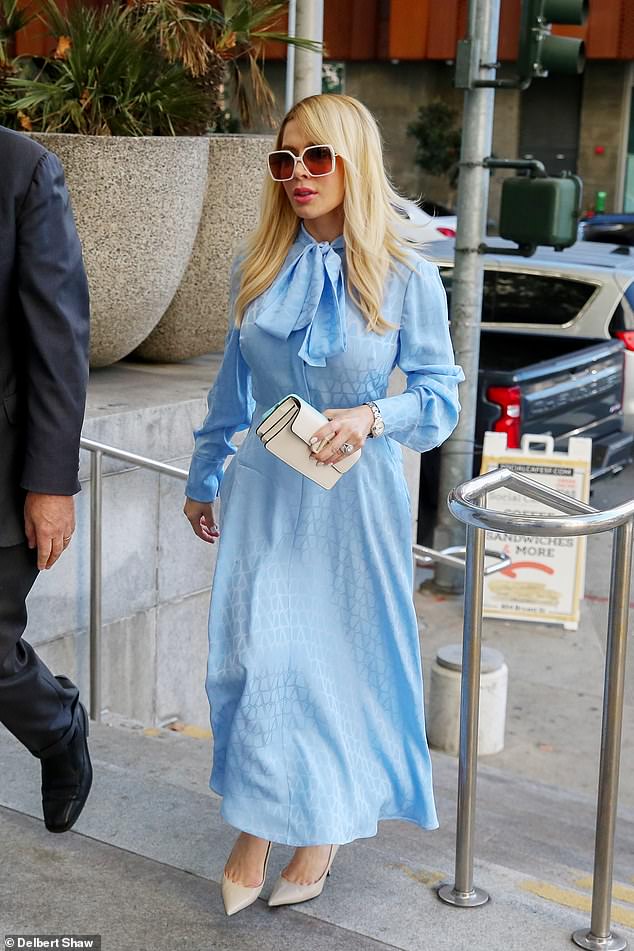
463	892
575	518
599	937
96	497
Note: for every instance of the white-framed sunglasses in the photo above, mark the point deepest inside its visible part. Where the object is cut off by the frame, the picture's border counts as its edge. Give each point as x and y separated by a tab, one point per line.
318	160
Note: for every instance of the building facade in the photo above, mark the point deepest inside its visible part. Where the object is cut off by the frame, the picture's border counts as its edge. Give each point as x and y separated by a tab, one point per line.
399	54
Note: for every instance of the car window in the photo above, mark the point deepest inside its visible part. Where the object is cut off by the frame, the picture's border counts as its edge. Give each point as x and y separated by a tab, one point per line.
512	297
623	316
538	299
446	274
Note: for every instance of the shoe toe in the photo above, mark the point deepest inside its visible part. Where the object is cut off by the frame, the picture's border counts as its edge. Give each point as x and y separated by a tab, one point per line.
236	896
286	893
60	816
283	893
67	780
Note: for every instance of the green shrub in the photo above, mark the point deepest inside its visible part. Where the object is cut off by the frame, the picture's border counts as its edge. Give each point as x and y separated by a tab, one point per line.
437	138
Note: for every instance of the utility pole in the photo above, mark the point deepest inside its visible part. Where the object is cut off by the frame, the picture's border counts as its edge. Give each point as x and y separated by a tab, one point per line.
310	25
476	60
289	98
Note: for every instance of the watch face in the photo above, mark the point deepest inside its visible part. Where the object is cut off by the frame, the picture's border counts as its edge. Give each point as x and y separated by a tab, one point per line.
378	427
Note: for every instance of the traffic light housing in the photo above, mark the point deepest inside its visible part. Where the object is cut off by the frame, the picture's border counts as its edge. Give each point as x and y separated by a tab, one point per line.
541	210
540	52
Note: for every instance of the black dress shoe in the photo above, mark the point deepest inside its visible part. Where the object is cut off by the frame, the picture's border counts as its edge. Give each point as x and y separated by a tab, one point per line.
66	779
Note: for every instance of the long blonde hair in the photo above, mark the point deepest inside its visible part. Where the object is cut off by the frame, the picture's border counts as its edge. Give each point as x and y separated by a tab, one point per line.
376	224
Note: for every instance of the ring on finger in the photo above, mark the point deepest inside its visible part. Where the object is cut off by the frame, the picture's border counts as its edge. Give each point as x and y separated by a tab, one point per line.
346	448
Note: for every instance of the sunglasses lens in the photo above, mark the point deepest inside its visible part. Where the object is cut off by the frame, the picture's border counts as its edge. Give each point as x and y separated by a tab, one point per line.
281	165
318	160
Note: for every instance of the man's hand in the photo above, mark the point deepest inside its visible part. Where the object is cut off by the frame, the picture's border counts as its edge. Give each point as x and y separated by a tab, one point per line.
201	518
49	523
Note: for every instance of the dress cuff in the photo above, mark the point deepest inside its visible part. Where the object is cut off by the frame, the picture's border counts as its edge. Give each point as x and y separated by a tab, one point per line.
204	479
391	410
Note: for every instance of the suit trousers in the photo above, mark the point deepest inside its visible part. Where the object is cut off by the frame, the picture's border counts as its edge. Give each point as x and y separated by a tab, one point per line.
40	709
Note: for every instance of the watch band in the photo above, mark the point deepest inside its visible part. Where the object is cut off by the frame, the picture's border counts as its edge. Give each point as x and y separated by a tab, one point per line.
377	414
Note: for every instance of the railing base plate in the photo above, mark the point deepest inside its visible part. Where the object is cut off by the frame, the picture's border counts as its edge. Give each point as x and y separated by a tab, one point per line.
472	899
585	939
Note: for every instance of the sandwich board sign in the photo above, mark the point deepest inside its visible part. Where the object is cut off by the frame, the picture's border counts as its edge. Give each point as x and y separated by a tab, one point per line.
545	579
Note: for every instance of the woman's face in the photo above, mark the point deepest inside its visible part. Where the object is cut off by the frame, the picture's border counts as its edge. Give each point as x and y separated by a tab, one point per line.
311	198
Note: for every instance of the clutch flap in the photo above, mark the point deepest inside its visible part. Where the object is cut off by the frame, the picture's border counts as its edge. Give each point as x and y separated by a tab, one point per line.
276	414
307	421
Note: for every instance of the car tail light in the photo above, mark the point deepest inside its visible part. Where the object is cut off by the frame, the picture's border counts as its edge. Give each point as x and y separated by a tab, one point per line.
508	398
447	232
627	336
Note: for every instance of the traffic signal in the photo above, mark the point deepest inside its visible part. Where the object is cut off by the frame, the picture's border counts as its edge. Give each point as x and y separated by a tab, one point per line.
540	52
541	210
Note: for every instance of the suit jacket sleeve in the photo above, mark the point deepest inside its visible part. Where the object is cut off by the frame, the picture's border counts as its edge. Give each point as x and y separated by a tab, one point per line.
53	292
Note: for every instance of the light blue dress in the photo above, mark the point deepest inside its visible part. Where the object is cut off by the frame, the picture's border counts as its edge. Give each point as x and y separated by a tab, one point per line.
314	674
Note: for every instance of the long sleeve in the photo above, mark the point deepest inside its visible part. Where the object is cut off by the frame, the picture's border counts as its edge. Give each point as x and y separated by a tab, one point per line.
230	408
425	414
53	292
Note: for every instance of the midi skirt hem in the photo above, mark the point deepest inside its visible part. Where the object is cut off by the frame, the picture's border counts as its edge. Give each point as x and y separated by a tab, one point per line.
245	821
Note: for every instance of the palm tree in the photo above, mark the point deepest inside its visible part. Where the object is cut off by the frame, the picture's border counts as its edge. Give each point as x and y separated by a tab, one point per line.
144	67
203	38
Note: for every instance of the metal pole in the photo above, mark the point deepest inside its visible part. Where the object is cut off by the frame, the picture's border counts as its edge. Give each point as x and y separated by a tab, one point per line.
599	937
463	892
290	55
95	584
466	295
310	26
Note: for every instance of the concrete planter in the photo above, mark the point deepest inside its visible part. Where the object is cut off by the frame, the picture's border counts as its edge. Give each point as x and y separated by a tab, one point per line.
196	320
137	203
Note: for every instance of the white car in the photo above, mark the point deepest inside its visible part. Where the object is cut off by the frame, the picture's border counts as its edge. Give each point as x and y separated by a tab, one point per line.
583	291
433	227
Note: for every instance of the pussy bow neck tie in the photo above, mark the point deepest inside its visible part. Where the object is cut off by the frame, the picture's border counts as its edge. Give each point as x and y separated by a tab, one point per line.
308	292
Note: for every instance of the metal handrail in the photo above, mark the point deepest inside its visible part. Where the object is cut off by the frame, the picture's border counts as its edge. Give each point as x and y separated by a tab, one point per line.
98	450
164	467
423	556
580	519
447	556
583	519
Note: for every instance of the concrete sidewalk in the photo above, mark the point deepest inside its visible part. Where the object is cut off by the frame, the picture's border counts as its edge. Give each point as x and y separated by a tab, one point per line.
143	864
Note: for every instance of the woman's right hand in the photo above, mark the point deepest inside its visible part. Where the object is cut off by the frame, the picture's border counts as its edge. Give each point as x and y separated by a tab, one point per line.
200	516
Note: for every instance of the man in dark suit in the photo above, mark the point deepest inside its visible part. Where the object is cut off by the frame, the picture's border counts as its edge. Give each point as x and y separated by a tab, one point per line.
44	331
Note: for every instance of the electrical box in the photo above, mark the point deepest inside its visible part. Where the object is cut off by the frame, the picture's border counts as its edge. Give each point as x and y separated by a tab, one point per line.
541	210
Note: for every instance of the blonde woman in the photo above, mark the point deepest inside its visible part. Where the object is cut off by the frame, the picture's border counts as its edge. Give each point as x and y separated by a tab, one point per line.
314	674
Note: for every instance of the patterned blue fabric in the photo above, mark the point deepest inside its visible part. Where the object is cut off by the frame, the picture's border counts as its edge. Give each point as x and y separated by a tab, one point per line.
314	672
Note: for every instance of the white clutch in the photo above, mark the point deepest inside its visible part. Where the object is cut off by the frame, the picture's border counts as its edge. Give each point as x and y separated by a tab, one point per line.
285	430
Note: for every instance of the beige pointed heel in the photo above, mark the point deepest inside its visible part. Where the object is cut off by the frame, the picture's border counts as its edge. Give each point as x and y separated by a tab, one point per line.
236	896
286	892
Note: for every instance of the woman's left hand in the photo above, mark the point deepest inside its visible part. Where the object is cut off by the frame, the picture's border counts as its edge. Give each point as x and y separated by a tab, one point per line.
350	425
